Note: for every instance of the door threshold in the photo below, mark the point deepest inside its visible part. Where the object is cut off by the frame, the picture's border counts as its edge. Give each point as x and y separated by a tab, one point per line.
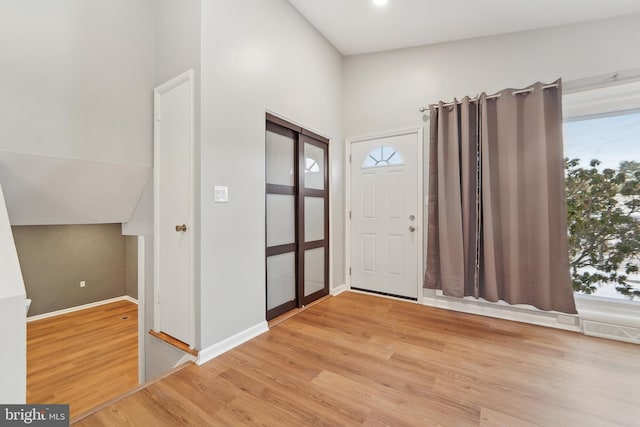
174	342
289	314
384	294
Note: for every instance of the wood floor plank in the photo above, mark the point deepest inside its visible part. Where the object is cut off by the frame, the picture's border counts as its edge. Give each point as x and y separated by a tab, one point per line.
398	403
272	374
83	358
491	418
362	360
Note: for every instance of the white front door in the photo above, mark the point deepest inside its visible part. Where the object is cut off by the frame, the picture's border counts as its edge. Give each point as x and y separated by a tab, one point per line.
173	191
385	216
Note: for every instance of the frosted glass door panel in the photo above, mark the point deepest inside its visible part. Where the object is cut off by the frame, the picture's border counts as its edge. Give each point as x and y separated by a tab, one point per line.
314	167
313	219
280	219
279	159
313	271
281	279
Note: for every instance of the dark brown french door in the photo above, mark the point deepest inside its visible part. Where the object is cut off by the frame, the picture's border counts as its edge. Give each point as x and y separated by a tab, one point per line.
297	216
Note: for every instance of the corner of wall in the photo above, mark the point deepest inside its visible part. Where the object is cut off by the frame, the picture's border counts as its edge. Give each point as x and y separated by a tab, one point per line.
225	345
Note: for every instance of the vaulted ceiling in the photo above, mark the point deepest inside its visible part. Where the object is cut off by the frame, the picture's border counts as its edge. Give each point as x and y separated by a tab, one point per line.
359	26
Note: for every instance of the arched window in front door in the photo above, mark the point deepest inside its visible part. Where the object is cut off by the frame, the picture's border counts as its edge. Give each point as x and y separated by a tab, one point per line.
382	155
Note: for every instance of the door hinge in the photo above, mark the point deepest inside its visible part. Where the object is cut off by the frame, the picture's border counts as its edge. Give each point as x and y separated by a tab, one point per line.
349	214
349	158
349	271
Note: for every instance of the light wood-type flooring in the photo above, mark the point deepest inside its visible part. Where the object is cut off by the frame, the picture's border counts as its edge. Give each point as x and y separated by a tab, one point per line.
84	358
364	360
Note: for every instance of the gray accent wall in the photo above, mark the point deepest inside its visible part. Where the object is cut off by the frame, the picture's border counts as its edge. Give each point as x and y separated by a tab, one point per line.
55	258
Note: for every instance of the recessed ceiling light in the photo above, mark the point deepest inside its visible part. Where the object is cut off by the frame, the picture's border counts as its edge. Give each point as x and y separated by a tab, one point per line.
380	2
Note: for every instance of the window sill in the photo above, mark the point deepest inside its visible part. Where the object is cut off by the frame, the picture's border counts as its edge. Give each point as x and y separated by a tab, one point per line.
607	310
502	310
597	309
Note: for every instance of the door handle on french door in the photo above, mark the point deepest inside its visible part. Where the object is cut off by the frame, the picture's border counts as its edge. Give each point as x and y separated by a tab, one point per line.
182	228
412	228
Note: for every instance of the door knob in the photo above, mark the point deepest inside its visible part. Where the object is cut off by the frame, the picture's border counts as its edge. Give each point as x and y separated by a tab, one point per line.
412	228
182	228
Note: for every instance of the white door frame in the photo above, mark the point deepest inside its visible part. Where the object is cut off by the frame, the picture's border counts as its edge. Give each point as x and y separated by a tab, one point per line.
142	329
157	92
418	131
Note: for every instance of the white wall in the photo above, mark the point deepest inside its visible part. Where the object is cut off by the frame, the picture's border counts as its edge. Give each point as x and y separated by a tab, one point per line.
75	78
50	190
383	91
177	49
256	55
76	106
13	317
178	28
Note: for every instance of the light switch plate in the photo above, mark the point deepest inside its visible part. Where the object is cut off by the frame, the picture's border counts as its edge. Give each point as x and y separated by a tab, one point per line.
220	194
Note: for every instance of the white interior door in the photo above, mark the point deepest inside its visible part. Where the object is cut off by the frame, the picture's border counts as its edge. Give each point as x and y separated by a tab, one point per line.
385	215
173	174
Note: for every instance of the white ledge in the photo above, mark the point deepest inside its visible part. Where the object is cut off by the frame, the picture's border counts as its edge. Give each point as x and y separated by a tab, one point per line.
593	308
608	310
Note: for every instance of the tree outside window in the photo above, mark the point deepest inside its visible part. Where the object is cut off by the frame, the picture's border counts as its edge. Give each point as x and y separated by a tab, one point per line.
603	203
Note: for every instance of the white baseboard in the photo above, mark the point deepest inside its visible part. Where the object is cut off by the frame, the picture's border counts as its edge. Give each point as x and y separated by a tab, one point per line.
339	289
211	352
80	307
130	299
507	312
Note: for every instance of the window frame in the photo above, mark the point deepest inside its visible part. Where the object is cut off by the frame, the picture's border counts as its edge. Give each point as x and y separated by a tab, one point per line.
590	101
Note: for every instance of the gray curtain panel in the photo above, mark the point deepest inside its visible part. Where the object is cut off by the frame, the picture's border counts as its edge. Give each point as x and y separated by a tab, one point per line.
453	201
497	226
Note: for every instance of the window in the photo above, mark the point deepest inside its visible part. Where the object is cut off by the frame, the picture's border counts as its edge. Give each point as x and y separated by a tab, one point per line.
311	166
382	155
603	199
